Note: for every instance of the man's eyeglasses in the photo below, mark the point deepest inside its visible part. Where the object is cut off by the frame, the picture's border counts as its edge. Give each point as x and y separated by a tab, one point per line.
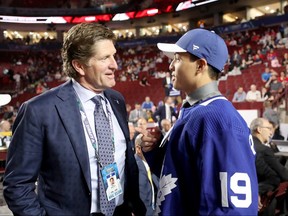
270	128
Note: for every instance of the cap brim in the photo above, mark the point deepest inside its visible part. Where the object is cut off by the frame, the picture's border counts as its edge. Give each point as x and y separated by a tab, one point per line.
169	49
4	99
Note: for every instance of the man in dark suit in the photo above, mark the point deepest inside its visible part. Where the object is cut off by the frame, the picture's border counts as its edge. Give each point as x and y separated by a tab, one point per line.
167	84
55	141
261	130
136	114
165	112
148	181
270	171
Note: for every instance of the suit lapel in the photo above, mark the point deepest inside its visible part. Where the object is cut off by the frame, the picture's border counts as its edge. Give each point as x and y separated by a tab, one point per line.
117	109
70	115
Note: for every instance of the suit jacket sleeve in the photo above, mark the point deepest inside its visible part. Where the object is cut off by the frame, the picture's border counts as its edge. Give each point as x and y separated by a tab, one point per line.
158	112
132	117
275	164
164	83
173	113
23	163
268	179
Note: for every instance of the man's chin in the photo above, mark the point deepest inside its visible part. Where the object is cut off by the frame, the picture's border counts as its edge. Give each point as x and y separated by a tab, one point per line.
175	86
110	84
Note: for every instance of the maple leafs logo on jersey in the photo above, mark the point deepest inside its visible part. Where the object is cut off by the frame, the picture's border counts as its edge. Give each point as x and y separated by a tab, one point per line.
166	185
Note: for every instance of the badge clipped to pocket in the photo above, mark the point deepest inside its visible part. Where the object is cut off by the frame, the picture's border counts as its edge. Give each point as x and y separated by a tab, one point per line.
111	181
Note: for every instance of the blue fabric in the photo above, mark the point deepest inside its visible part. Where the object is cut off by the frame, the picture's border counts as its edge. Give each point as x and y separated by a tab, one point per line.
266	76
209	142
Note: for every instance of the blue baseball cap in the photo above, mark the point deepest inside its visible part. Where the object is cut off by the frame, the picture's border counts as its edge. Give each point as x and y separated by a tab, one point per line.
202	44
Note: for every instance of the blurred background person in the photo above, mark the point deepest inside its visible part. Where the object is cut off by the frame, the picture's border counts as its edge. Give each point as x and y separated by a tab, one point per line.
239	95
148	181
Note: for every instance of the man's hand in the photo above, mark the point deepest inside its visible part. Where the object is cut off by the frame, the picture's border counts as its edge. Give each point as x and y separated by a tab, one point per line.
146	140
260	205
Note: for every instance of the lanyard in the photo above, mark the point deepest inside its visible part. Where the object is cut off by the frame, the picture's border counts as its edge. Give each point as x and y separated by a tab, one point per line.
89	129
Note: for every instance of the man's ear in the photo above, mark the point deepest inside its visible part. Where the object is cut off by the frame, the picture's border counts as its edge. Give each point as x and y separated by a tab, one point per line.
201	65
258	130
78	66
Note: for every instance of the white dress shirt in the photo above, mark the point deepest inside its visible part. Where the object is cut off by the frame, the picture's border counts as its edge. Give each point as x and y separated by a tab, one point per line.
85	97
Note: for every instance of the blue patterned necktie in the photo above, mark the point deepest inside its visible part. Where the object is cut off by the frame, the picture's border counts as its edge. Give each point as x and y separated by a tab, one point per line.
105	151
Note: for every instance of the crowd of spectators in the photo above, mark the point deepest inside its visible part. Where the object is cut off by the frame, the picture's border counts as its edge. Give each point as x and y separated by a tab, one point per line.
139	64
264	47
253	48
33	71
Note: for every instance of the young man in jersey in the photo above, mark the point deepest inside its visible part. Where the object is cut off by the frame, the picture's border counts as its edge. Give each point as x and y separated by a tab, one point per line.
209	163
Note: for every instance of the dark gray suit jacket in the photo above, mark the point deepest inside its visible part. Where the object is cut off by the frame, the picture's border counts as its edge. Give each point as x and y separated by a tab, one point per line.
269	157
49	144
145	188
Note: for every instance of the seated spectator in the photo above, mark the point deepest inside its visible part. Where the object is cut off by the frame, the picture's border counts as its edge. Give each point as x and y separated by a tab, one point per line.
282	43
286	70
8	111
5	133
257	60
229	63
249	60
123	77
266	75
253	94
236	59
141	123
262	130
40	88
248	49
275	62
235	71
270	114
48	77
57	75
159	74
243	64
282	78
261	55
136	114
166	126
267	165
147	104
149	114
255	37
285	82
285	59
233	42
239	95
271	55
274	85
278	136
5	126
273	117
266	95
144	81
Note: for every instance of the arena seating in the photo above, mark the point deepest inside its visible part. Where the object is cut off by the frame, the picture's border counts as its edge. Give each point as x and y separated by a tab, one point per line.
133	92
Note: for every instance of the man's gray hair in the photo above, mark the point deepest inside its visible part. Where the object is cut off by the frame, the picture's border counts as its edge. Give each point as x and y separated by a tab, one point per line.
255	124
